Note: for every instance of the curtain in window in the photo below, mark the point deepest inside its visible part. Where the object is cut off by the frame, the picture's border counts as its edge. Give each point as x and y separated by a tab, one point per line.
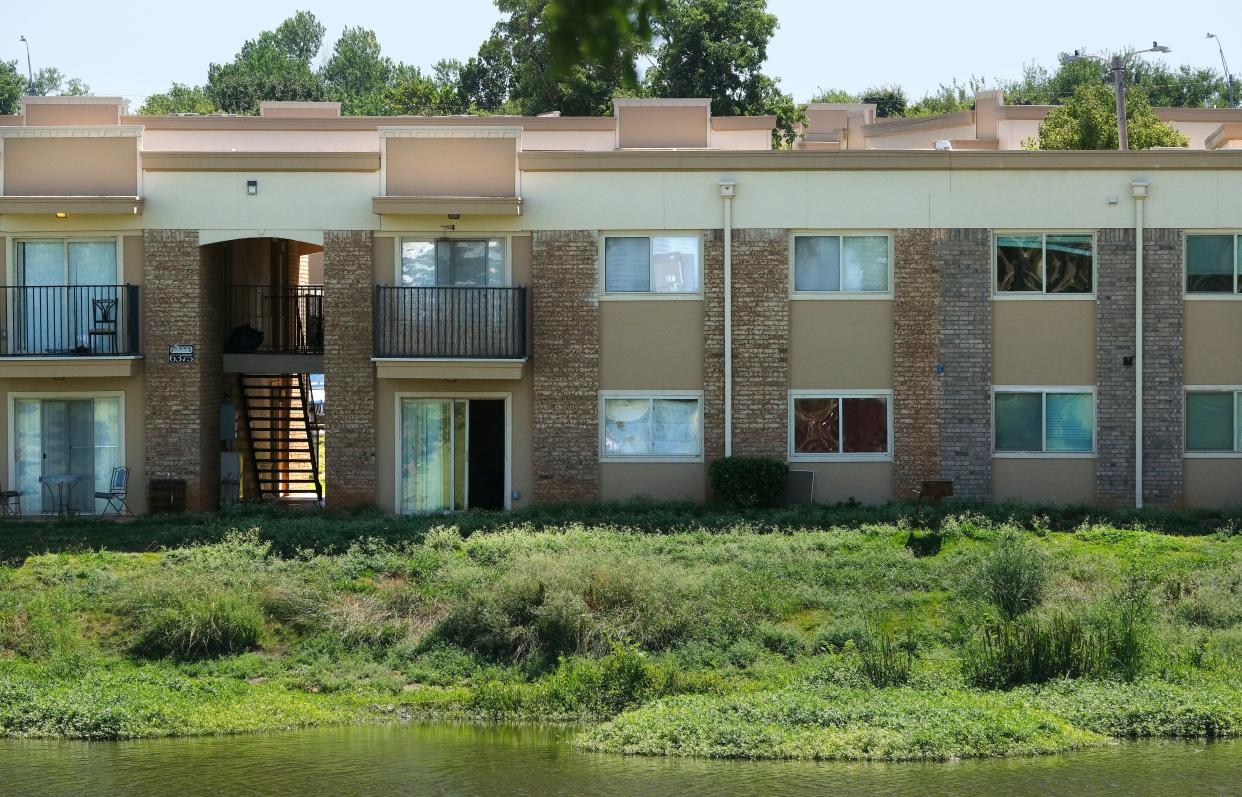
675	427
426	455
627	426
864	263
418	264
1210	263
674	264
62	437
93	297
40	308
1209	422
1019	263
1069	264
864	425
1070	422
627	264
106	418
816	426
817	263
1019	418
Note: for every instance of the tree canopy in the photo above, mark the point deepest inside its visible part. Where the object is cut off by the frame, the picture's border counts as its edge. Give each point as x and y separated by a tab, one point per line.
1088	120
48	81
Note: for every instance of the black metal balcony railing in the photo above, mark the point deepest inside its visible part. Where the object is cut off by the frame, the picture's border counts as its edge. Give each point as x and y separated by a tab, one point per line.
69	320
451	323
266	319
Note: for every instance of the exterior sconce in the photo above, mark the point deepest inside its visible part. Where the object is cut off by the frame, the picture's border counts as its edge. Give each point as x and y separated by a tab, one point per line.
252	187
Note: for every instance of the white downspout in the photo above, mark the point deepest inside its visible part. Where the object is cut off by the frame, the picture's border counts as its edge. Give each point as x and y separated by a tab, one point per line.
1138	190
727	192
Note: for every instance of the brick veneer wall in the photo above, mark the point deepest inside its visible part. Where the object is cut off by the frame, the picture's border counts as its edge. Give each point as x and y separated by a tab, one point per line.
565	365
916	389
713	346
182	305
1162	366
760	342
964	259
349	374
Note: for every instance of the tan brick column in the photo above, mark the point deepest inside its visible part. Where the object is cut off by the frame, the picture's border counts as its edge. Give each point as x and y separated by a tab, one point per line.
182	296
349	374
760	342
566	365
916	390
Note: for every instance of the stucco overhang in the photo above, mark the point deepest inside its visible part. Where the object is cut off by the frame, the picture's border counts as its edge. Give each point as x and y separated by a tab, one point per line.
261	161
72	205
447	369
442	205
68	367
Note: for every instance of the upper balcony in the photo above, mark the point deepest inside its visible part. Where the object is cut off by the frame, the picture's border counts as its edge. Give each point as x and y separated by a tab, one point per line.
70	325
451	332
265	320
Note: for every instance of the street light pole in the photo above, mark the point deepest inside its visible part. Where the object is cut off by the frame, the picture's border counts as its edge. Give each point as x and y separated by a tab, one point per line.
1118	67
1224	65
30	86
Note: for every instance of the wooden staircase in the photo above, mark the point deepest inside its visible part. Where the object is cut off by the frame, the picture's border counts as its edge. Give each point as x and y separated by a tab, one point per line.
283	433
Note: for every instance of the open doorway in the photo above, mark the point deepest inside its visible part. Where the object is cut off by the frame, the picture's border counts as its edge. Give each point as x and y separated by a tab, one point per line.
453	454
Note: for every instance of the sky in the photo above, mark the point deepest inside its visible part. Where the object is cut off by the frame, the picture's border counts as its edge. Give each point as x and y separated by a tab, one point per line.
819	44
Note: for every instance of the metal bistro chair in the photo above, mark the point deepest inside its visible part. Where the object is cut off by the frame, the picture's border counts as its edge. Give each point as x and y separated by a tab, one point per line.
118	488
10	503
104	325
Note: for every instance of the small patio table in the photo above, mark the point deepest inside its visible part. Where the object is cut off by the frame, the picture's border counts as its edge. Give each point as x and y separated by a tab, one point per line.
60	490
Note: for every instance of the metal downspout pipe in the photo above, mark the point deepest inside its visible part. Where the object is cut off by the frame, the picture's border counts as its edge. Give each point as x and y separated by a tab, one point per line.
1138	190
727	192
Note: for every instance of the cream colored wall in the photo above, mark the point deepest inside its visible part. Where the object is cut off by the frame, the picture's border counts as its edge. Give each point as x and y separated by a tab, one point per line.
1043	342
1212	342
450	166
840	344
1210	483
64	166
384	259
651	345
570	140
665	481
134	423
865	482
1044	480
386	432
663	127
1012	132
920	139
157	140
740	139
72	113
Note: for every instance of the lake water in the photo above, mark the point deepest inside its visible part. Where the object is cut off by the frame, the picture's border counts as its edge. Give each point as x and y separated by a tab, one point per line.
487	760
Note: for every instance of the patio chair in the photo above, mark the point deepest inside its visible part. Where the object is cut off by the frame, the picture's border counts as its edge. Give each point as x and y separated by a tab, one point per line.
104	323
118	488
10	503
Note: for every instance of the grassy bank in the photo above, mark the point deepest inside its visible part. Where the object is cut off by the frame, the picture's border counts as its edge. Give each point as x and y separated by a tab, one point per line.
872	641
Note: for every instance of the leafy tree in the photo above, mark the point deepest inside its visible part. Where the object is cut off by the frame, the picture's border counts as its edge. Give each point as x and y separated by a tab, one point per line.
50	81
179	98
1088	120
834	95
275	66
357	73
12	86
889	100
716	49
584	32
948	99
413	93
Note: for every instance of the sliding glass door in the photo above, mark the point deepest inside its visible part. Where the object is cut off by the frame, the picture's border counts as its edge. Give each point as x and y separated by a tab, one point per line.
67	287
433	439
70	436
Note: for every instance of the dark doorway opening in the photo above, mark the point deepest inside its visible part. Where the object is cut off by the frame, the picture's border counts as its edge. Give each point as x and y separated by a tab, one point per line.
487	454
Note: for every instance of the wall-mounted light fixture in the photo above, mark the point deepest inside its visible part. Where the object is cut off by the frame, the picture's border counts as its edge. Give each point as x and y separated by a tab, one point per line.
252	187
454	215
60	214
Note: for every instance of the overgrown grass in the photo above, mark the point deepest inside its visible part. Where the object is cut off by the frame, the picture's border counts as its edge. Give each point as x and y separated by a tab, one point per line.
755	637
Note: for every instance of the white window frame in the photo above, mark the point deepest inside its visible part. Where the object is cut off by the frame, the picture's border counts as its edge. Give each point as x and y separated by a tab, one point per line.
505	238
461	396
794	456
1042	294
1236	453
650	395
1205	296
648	295
13	268
53	395
1043	422
795	294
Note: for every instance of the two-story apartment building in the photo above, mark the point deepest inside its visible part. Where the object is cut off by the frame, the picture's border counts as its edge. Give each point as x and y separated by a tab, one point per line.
506	310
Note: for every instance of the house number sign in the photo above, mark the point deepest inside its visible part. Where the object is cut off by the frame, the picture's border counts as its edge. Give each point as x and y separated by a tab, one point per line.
181	353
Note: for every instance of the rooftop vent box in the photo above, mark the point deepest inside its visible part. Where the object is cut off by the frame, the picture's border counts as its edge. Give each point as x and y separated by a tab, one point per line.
300	110
663	123
49	111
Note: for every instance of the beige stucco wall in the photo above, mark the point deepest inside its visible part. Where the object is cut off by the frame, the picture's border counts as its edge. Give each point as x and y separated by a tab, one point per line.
1212	482
1212	339
865	482
384	259
671	126
386	432
134	429
1044	480
41	112
651	345
1043	342
666	481
450	166
840	344
64	166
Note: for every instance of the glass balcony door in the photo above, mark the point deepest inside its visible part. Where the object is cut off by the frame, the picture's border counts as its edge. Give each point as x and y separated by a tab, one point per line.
70	436
66	290
434	434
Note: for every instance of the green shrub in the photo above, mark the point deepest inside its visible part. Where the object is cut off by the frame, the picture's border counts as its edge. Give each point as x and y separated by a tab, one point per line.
36	628
1034	649
1012	577
748	482
199	626
782	640
886	660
